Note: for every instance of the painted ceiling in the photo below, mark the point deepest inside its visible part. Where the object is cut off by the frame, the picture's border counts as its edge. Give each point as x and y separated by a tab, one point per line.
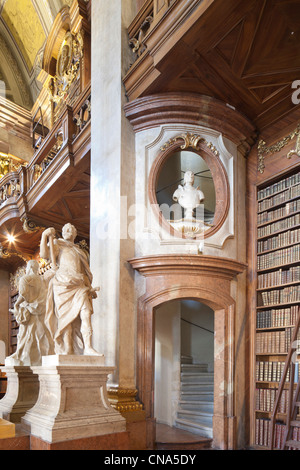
24	27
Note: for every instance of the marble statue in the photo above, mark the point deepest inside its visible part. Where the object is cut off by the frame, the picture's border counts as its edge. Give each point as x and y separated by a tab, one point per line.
188	196
33	340
70	293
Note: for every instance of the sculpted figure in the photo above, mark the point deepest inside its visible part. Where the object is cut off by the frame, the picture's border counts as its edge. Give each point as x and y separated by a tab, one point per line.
70	293
63	60
29	310
188	196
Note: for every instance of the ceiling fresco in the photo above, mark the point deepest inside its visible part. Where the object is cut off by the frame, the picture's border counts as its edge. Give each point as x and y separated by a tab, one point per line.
24	27
24	24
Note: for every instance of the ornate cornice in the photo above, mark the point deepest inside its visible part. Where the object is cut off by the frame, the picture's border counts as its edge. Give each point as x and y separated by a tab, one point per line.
156	265
192	109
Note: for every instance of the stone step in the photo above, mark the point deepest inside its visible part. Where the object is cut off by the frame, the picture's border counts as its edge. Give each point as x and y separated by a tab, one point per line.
186	360
194	368
194	405
187	377
197	396
201	417
197	386
196	428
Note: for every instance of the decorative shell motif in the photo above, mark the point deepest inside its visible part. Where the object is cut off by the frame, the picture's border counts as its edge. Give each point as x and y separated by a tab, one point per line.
190	141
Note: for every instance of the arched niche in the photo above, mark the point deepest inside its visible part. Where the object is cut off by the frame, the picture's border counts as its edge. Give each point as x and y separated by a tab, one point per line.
208	158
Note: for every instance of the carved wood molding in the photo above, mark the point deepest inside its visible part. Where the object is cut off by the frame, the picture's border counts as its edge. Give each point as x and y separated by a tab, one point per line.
61	25
190	108
15	119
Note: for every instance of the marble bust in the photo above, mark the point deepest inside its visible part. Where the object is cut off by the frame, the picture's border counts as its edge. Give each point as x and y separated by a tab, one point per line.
188	196
33	340
70	293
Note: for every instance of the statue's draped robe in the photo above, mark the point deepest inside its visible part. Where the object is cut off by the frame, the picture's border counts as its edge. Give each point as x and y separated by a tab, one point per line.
68	293
33	339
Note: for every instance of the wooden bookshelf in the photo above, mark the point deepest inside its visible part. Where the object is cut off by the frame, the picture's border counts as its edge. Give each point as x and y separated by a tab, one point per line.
277	296
13	325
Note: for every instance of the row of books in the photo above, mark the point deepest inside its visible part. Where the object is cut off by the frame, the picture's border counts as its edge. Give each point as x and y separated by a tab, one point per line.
263	433
277	317
279	186
265	400
281	240
279	257
280	225
271	371
274	341
288	209
281	296
276	278
280	198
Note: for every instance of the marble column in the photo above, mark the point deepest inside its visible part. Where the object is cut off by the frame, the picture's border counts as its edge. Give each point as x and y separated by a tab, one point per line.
112	189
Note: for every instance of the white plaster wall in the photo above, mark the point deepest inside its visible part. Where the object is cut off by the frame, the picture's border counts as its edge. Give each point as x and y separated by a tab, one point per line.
167	362
197	342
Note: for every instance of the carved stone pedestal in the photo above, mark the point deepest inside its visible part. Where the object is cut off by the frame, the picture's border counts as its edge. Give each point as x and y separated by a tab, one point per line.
72	402
21	393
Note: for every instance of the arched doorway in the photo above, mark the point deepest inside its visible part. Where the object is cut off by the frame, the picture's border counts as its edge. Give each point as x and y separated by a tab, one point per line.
184	366
206	279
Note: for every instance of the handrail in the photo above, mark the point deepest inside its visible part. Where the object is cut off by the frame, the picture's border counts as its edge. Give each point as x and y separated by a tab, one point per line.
288	363
198	326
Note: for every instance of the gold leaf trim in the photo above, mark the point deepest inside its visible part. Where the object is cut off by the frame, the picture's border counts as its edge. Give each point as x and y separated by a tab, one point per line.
123	399
190	141
263	149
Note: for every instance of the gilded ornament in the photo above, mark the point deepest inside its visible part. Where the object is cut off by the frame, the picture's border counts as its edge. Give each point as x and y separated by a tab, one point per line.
29	226
6	253
190	141
9	164
67	69
296	151
264	150
124	400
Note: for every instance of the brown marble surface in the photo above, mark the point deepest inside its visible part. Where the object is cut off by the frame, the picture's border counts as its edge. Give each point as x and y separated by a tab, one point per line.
118	441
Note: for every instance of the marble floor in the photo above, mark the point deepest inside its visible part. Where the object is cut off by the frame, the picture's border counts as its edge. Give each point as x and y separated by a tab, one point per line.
173	438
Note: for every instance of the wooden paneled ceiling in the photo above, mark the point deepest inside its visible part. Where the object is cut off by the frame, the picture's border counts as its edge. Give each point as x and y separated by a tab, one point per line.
245	53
